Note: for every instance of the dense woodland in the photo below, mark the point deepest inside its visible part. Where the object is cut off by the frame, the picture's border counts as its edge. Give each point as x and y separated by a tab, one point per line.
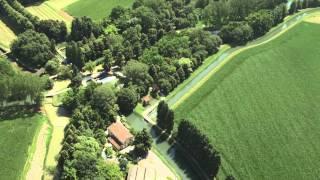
156	43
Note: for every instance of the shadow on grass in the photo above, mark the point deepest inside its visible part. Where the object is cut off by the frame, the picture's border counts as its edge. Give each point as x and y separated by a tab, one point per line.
14	112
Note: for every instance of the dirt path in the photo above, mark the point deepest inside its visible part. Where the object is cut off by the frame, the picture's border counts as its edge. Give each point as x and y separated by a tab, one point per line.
152	161
58	121
36	165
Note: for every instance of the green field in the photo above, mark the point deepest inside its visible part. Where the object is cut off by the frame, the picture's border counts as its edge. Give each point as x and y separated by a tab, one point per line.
261	110
17	136
96	9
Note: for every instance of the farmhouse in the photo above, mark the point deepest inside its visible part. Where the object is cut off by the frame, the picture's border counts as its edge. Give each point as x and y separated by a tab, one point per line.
119	136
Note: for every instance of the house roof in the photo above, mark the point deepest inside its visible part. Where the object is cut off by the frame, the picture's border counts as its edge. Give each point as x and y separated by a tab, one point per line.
114	143
120	132
146	98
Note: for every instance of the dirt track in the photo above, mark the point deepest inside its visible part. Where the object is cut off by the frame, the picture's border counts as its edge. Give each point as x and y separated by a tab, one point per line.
36	165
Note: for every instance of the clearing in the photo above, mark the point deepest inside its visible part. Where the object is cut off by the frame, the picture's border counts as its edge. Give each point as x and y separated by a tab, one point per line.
52	9
96	9
261	110
6	37
19	130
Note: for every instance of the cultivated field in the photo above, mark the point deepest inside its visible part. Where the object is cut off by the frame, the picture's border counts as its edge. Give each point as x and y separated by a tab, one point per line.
6	36
261	110
96	9
18	132
52	9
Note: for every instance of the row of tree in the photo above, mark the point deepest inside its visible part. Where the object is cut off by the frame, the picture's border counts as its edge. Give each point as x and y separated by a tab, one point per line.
196	146
19	86
20	19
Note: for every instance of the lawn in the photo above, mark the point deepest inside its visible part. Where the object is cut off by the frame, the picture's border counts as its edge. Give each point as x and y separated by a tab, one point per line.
18	130
96	9
261	110
6	36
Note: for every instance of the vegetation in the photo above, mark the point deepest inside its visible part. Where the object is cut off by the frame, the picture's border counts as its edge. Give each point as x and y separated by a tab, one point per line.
165	117
127	100
19	86
18	127
194	143
33	49
96	9
257	106
142	143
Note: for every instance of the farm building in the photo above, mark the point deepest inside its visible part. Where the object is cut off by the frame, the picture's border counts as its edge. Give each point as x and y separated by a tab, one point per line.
119	136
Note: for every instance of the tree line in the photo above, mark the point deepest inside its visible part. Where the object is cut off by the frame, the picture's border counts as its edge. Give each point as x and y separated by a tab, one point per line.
21	20
20	86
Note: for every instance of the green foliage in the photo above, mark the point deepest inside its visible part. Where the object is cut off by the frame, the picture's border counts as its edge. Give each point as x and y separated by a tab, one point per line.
19	86
142	143
127	100
236	32
165	117
261	22
32	49
255	108
52	66
137	75
54	29
104	102
198	146
84	27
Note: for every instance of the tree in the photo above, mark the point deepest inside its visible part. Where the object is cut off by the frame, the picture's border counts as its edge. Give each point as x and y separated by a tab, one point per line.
84	27
74	54
89	66
54	29
261	22
293	7
142	143
137	74
32	49
52	67
199	147
165	117
127	100
236	33
104	102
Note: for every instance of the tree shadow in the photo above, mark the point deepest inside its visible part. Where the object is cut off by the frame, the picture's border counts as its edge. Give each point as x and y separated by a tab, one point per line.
14	112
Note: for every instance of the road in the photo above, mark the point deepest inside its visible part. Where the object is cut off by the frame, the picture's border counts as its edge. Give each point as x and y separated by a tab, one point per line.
201	78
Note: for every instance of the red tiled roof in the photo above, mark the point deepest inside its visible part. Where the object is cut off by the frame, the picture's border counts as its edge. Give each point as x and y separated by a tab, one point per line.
120	132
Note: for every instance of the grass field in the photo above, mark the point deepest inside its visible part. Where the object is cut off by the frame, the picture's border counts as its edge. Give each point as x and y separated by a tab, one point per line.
261	110
96	9
52	9
18	129
6	36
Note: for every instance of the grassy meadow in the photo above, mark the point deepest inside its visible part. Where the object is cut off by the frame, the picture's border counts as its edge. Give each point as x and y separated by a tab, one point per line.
96	9
18	130
261	110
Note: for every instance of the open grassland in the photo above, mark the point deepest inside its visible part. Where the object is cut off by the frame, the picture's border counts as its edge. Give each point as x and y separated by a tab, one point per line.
96	9
19	129
52	9
261	110
6	36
